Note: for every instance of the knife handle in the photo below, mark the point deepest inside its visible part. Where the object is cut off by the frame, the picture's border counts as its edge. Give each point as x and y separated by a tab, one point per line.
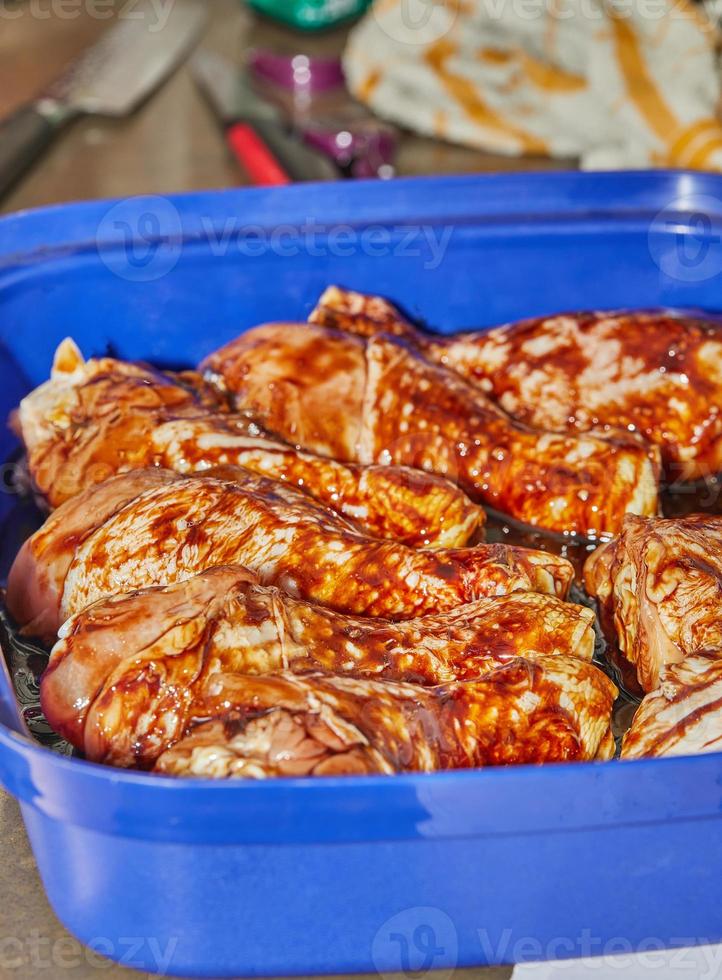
255	157
23	137
301	162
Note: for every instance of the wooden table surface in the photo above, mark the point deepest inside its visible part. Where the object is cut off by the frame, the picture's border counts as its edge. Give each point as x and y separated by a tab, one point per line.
172	143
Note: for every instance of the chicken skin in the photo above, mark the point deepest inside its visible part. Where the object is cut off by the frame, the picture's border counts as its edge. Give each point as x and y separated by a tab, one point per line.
126	672
655	372
188	524
35	582
378	400
93	419
659	586
552	709
100	417
684	716
395	502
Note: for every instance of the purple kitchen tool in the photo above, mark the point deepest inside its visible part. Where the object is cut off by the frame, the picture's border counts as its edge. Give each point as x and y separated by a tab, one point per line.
312	92
361	150
298	72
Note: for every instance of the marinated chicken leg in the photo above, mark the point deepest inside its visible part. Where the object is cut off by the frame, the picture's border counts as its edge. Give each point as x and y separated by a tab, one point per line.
379	401
94	419
35	583
552	709
684	716
126	671
368	316
660	589
100	417
396	502
174	531
652	371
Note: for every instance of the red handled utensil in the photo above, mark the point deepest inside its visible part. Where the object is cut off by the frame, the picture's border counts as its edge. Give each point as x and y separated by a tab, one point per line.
255	130
254	156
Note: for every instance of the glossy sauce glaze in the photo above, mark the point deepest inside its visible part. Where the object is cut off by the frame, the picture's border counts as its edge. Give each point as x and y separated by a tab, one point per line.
681	713
403	504
397	407
655	372
554	708
28	660
121	685
677	500
155	527
97	418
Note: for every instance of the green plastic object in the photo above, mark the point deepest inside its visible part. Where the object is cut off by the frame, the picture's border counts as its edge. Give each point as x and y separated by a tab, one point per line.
310	15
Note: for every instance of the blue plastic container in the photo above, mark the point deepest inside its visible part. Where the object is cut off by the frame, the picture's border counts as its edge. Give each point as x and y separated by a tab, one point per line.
339	875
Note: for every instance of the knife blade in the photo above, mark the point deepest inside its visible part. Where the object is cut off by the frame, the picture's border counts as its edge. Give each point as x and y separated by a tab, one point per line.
111	78
256	131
